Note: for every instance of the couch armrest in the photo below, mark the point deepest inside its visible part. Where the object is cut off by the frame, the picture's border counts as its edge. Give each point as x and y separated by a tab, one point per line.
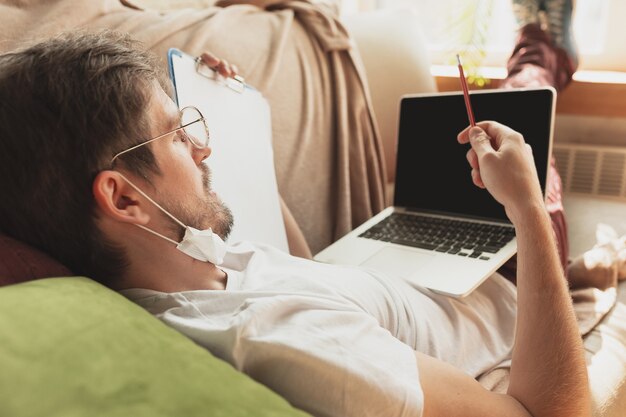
396	62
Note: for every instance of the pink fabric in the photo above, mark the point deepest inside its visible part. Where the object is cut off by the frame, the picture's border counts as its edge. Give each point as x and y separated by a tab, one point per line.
536	62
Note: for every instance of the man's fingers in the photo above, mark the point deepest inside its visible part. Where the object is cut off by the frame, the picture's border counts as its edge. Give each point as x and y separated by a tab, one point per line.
477	179
209	59
472	158
224	68
494	130
463	136
480	141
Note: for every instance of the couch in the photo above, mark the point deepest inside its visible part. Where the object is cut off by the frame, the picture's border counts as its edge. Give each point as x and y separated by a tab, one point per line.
73	347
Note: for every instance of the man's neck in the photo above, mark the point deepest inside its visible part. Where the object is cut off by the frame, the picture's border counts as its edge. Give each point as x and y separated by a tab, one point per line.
161	267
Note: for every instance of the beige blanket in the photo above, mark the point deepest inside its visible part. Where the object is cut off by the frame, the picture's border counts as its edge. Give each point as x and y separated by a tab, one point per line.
591	305
327	149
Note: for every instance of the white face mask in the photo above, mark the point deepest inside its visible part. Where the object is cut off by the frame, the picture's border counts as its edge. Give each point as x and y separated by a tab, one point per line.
203	245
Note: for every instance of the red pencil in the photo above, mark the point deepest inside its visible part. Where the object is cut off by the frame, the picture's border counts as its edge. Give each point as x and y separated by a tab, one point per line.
468	104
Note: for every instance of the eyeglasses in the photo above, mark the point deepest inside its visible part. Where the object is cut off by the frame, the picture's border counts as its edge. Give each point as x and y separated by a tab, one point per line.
193	128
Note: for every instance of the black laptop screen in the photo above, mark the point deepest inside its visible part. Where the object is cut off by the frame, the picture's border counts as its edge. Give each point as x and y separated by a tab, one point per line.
432	171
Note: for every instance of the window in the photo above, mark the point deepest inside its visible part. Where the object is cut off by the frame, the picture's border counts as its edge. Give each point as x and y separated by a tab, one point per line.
485	29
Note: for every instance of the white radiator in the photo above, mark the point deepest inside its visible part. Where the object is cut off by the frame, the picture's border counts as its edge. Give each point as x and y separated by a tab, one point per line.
592	170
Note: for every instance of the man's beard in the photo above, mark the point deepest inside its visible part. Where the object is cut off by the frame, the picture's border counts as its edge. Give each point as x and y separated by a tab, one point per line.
201	212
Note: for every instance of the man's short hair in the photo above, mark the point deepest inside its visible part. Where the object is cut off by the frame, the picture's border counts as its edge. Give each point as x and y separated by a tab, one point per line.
68	105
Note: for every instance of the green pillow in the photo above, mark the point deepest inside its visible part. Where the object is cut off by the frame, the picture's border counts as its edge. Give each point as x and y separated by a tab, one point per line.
72	347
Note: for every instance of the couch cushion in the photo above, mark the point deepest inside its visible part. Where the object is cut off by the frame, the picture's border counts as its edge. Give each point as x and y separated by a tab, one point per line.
20	262
71	347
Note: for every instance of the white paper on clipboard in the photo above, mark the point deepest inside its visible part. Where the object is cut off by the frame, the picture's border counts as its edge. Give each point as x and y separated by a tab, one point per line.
242	162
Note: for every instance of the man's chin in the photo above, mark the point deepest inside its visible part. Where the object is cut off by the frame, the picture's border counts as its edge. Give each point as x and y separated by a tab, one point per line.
215	198
224	223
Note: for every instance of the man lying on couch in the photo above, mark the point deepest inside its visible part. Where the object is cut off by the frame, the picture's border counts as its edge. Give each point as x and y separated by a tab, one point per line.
296	53
97	171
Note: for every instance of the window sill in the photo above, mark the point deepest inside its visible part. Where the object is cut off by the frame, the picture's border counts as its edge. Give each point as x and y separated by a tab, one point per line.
591	93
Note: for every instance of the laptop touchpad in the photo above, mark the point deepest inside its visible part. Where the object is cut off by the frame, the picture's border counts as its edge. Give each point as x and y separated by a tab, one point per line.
402	262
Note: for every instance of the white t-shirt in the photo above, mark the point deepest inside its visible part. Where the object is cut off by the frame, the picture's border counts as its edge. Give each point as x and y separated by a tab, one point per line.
337	340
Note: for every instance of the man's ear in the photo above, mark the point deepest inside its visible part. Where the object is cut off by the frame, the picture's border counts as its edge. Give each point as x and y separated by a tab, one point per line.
118	199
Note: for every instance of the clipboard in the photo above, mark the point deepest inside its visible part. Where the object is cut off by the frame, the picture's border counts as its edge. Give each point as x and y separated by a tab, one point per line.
242	161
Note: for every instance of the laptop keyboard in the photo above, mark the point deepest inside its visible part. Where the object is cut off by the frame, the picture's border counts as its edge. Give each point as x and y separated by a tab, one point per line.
456	237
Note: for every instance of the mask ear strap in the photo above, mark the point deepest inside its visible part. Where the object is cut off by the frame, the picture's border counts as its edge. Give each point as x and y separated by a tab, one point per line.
156	204
157	234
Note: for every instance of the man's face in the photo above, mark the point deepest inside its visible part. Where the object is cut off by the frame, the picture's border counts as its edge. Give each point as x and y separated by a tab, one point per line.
184	186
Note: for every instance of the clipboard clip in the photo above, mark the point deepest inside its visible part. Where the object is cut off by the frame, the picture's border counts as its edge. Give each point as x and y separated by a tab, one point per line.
236	83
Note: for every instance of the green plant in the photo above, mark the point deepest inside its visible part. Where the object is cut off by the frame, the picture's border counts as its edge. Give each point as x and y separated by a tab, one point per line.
468	27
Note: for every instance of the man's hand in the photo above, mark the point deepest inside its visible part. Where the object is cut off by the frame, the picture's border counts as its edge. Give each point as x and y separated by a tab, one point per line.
503	164
223	67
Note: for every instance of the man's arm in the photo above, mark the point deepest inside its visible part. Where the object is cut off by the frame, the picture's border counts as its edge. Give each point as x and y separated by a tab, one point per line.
548	372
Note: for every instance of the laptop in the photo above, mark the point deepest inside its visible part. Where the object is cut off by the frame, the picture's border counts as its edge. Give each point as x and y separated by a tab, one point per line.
443	232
